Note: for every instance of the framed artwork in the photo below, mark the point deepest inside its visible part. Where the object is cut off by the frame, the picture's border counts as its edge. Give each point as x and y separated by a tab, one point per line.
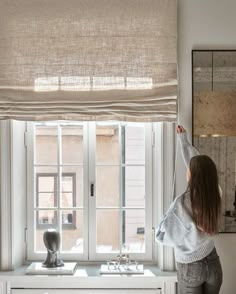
214	121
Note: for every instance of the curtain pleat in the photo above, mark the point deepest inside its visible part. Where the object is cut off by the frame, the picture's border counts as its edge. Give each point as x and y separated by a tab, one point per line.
88	60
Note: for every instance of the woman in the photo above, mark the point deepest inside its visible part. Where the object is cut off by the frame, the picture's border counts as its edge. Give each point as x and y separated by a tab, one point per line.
191	223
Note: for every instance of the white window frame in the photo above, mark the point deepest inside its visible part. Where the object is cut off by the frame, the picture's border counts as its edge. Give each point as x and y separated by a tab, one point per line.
12	139
89	210
6	227
164	188
12	194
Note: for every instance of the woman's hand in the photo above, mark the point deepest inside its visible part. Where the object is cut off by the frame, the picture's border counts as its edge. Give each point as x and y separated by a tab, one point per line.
181	129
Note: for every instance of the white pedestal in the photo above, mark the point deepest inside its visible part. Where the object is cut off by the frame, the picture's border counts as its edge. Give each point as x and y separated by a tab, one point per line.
36	268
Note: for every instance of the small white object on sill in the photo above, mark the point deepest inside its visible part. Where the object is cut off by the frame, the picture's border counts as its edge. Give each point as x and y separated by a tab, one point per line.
122	269
36	268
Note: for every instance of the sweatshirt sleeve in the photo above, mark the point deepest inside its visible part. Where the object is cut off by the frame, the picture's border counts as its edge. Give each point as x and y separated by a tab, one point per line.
188	151
169	231
160	231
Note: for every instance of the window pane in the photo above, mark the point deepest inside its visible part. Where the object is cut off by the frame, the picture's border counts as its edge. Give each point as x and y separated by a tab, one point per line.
68	218
46	144
39	241
67	183
108	186
48	171
107	144
108	231
134	145
72	186
134	193
67	199
46	217
72	144
44	220
46	200
133	234
72	231
46	183
67	191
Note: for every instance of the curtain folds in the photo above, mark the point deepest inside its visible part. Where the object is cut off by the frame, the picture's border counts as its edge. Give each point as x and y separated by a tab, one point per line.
88	60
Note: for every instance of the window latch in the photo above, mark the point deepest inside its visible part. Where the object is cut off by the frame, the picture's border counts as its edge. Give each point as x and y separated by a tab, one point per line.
92	190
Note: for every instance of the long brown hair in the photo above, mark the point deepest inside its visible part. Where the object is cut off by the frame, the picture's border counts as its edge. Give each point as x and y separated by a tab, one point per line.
204	193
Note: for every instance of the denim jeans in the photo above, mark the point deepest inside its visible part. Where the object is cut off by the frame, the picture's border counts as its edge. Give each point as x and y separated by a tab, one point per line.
200	277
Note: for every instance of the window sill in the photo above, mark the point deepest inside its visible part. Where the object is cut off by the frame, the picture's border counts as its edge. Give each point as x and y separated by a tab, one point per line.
89	277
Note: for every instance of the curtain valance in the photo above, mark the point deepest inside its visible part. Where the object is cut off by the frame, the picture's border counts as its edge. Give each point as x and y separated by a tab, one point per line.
88	60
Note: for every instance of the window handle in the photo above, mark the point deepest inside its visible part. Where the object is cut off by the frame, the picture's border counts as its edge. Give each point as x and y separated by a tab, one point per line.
92	190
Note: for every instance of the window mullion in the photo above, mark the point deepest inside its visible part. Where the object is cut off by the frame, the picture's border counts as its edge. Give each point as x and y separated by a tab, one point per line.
31	223
86	189
121	142
92	180
148	191
59	172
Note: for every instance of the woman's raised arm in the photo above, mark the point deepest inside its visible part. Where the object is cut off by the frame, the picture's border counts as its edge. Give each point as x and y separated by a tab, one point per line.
188	151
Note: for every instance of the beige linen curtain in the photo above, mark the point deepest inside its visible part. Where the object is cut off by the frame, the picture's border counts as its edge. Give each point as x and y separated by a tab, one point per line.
88	60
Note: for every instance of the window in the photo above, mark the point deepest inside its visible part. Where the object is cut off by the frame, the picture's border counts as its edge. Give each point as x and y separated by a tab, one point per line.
92	182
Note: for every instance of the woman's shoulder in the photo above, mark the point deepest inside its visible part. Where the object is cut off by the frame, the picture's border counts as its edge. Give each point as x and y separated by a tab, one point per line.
182	205
182	200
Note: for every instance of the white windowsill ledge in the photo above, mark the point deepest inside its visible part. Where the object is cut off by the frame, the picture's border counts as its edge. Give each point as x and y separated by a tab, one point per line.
89	277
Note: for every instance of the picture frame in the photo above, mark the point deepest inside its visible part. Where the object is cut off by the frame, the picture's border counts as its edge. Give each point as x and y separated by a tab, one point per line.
214	121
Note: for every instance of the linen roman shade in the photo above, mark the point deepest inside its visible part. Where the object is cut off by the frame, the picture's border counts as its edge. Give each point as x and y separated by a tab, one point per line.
88	60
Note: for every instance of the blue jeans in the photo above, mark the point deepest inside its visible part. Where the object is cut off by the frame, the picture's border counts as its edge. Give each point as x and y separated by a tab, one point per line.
200	277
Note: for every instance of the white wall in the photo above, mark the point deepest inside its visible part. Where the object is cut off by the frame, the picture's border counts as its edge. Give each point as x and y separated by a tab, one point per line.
205	24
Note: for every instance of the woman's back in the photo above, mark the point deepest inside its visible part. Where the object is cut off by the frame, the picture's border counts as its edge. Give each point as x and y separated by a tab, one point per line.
178	230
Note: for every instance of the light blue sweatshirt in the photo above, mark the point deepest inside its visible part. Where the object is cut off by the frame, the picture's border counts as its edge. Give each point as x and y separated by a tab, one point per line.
177	229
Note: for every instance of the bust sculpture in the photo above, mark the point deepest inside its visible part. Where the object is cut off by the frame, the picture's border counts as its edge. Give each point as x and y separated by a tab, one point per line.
52	241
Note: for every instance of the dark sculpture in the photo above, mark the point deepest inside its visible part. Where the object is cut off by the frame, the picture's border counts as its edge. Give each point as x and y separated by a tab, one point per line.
52	240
